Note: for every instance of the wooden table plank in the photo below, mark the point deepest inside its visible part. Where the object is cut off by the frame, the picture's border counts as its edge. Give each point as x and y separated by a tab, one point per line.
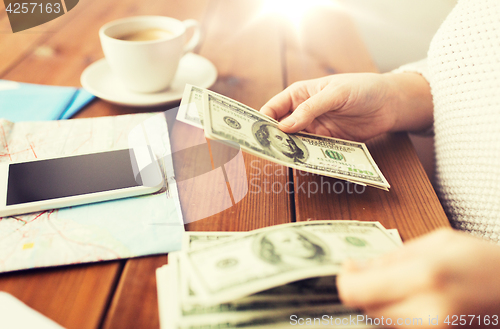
135	303
73	296
14	47
243	76
247	53
411	205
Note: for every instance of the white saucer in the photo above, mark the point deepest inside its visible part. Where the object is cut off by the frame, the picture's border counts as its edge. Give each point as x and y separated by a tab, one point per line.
194	69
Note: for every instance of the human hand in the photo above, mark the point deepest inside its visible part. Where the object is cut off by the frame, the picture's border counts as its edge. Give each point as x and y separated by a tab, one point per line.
445	273
353	106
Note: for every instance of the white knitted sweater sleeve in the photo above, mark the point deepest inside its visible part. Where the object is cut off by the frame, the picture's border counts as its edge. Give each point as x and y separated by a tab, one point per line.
420	67
463	70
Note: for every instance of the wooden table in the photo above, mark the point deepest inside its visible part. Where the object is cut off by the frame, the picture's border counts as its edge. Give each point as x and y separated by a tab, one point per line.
256	57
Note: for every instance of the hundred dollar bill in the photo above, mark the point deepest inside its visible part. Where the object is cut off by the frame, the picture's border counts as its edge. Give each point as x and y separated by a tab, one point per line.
196	239
310	298
277	255
244	312
256	133
191	107
315	289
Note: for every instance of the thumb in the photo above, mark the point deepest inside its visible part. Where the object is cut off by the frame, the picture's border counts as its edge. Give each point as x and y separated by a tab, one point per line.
306	112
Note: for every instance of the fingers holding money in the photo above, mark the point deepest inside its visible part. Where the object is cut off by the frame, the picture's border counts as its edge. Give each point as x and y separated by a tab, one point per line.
418	281
376	283
283	104
304	114
298	106
380	282
396	290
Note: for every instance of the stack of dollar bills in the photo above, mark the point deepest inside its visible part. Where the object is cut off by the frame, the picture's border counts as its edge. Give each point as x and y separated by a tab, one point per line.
273	277
225	119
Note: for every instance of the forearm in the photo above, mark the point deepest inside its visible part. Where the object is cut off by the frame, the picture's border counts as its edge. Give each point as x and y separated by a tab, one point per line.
410	101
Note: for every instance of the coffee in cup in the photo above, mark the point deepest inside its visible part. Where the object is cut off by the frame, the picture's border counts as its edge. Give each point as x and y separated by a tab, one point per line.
147	35
144	51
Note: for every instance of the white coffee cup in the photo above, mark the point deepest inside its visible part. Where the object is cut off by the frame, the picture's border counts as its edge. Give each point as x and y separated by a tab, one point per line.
149	65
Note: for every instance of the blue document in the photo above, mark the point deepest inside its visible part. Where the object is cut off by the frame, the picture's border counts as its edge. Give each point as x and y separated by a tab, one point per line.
31	102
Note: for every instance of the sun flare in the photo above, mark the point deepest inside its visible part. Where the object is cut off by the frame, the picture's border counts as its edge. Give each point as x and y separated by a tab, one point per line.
293	10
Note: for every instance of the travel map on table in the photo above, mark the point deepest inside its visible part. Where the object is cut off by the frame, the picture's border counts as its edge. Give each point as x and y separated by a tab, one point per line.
131	227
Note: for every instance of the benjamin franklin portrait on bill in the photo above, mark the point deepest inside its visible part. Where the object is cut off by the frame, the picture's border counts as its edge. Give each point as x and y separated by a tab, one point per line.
278	144
291	247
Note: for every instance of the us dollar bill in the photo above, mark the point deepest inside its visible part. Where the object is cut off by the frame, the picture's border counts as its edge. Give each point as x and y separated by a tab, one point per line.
309	290
191	107
200	239
272	308
278	255
256	133
245	312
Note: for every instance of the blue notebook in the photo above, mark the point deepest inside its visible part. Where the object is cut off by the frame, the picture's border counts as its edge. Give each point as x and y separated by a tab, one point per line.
31	102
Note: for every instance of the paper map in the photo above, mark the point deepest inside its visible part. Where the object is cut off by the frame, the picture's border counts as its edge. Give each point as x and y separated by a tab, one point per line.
123	228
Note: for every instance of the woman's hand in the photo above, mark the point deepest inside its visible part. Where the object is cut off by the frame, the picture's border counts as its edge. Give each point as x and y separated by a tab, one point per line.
354	106
445	273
